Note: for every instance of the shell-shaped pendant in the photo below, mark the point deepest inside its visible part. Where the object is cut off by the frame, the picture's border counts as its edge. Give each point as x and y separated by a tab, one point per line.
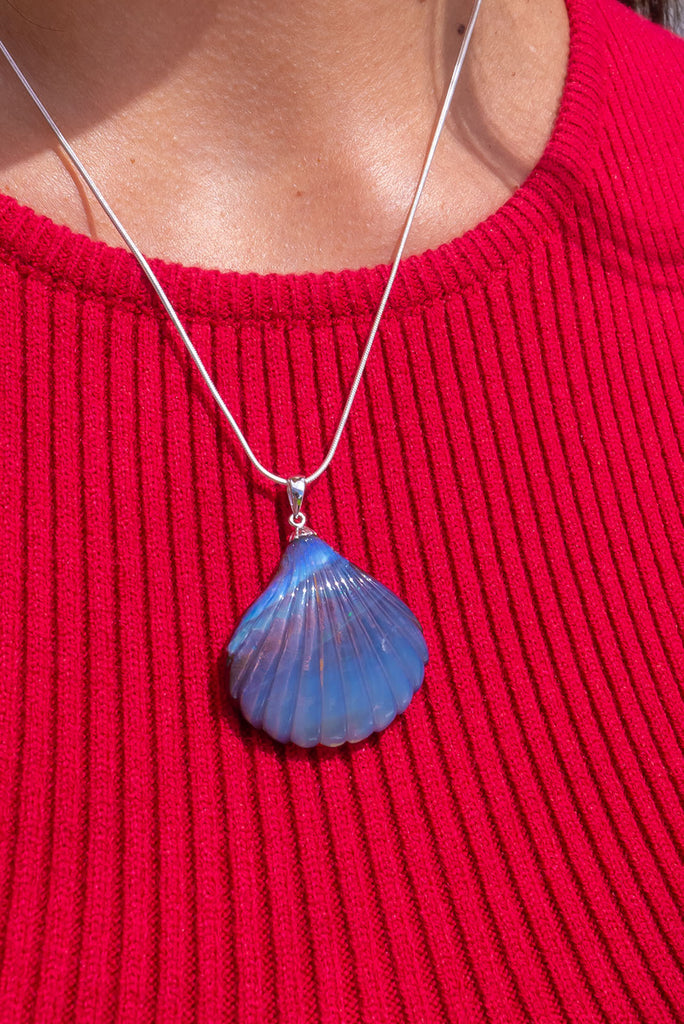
326	655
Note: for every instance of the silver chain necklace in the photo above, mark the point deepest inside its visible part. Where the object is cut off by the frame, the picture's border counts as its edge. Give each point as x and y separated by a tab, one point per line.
327	654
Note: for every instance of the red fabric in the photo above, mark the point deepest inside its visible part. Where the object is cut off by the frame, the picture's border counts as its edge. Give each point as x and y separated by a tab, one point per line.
510	849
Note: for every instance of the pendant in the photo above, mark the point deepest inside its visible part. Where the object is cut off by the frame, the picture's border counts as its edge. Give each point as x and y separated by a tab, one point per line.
326	655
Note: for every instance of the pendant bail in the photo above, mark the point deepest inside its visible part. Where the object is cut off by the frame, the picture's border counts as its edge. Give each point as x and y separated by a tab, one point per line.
296	486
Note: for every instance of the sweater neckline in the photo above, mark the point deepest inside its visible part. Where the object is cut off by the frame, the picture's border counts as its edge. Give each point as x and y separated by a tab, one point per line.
70	259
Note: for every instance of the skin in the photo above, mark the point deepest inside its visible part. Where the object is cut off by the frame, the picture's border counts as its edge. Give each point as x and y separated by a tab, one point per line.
277	135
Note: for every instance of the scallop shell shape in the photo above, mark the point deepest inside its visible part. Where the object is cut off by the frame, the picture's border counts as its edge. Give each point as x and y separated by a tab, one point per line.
326	654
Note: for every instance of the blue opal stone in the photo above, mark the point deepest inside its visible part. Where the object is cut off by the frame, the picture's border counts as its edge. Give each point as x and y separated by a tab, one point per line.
326	655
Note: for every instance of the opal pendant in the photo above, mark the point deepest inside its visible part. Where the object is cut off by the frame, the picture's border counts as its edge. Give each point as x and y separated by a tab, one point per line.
326	655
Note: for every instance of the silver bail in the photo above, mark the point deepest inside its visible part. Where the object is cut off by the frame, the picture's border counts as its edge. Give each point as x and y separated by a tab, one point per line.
295	493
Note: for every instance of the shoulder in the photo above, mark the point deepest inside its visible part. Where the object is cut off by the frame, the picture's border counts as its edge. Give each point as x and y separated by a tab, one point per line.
639	178
645	62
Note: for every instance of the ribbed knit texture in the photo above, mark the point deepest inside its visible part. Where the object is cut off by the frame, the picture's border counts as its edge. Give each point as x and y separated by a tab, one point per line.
510	849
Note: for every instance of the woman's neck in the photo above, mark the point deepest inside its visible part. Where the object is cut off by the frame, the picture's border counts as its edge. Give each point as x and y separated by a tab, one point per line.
277	134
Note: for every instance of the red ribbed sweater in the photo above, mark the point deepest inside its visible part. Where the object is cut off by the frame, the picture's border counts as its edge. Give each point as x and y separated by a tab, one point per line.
510	849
